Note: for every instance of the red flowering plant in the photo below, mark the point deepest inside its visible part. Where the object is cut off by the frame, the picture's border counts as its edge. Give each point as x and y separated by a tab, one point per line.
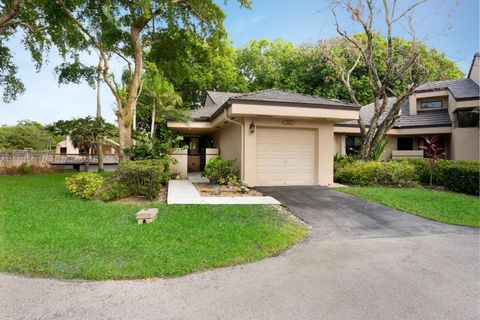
434	151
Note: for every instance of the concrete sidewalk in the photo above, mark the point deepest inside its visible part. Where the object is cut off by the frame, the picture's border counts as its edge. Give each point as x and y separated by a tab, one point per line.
184	192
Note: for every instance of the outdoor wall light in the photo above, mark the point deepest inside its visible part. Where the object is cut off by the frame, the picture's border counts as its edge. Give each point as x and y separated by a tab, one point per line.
252	127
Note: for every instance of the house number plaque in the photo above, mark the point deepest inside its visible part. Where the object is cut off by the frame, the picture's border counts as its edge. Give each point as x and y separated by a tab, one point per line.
288	122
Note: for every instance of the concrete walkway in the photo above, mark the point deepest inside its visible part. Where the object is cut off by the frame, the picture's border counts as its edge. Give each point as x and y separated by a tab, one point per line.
196	177
184	192
362	261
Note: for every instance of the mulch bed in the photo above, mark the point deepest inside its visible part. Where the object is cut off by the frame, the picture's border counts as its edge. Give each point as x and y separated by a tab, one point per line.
212	190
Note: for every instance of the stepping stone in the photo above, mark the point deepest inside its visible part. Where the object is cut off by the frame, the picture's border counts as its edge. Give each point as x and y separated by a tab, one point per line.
146	215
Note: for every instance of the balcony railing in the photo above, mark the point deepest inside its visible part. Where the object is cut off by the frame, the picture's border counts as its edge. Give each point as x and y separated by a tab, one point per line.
407	154
82	159
34	156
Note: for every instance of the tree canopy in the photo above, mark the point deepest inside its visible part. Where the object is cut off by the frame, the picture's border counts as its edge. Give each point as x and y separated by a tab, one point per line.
266	64
128	29
27	134
39	26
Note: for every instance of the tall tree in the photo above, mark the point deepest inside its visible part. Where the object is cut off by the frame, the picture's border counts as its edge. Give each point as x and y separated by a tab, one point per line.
39	26
125	29
99	116
393	69
261	63
193	65
158	103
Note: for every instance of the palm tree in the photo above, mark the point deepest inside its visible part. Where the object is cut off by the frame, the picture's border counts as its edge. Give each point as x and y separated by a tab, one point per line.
164	103
86	133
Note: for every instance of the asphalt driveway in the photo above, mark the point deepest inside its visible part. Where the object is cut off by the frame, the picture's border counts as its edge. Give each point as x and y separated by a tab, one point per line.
337	216
361	261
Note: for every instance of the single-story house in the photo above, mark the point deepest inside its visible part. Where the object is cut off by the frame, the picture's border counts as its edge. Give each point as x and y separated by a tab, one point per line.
276	137
283	138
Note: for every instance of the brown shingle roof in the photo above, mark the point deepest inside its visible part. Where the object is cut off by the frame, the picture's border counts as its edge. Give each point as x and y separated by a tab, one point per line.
464	88
430	118
270	96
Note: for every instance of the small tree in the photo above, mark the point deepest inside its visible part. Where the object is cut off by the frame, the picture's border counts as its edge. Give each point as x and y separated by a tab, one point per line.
433	151
164	103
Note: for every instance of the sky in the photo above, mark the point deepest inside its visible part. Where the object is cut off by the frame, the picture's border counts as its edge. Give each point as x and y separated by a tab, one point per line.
299	21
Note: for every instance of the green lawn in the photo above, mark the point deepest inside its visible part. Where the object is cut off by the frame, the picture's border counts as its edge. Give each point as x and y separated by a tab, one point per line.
447	207
46	232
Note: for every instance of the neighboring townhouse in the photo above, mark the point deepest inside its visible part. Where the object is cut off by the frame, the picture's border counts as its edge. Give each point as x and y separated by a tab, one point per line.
66	147
69	157
448	109
278	137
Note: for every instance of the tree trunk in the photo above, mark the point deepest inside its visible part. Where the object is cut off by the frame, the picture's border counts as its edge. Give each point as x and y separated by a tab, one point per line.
125	115
152	126
7	15
125	135
100	157
99	115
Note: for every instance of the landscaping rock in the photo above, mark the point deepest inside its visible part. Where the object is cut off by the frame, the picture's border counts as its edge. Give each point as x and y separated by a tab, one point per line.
146	215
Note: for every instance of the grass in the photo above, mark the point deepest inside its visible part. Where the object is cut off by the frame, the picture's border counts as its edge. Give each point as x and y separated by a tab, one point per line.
447	207
46	232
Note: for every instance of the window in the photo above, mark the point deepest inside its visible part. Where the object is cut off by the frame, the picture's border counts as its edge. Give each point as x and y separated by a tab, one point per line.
404	143
63	150
353	144
433	104
466	118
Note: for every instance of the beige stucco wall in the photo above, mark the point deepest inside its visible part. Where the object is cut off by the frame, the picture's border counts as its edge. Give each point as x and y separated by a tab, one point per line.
325	151
324	147
181	165
71	150
67	143
228	140
249	110
339	142
465	144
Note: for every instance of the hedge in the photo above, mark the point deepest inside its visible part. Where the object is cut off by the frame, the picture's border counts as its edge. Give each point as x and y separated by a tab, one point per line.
456	175
372	173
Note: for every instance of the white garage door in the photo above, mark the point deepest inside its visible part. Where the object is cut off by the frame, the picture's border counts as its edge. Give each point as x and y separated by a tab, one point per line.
285	156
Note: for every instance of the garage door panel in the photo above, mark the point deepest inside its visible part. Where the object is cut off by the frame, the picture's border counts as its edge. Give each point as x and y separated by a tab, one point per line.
285	156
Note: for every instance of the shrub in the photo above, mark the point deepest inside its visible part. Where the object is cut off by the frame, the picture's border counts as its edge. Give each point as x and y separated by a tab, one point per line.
459	176
371	173
84	185
221	171
25	169
143	178
340	161
112	189
456	175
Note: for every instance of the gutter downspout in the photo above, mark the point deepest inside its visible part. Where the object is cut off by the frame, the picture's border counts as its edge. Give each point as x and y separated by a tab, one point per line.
242	128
